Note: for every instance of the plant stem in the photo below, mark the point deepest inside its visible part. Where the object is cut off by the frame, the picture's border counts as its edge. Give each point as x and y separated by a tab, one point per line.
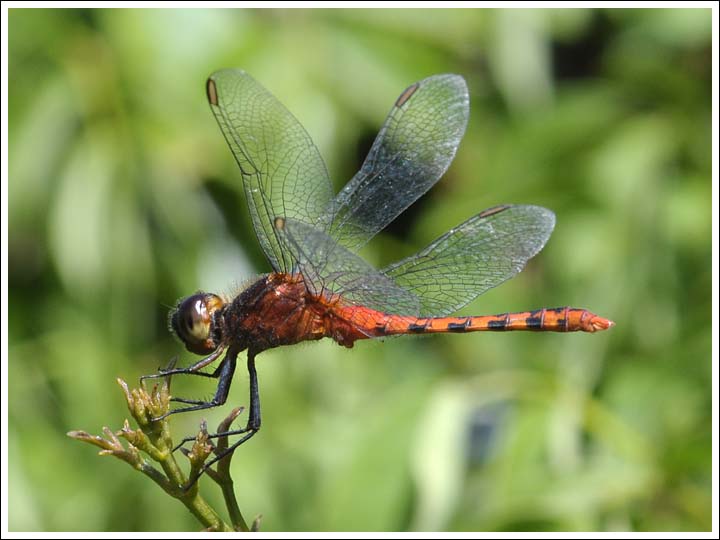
190	498
223	478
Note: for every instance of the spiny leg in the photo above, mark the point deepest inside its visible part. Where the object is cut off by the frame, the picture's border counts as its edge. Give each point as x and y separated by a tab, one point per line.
250	429
190	370
214	375
254	420
224	373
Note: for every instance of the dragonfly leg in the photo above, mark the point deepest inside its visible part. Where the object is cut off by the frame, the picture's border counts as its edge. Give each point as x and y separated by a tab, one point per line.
250	429
224	372
215	374
254	417
190	370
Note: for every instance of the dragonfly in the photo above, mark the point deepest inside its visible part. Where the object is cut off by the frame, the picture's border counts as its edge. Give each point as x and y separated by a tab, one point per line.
319	287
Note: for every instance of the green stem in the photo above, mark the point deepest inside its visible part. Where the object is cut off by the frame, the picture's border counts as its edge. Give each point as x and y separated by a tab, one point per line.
205	514
191	498
236	518
223	478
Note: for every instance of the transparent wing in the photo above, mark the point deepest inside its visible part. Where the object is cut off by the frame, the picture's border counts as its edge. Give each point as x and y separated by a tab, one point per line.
412	151
283	173
475	256
329	268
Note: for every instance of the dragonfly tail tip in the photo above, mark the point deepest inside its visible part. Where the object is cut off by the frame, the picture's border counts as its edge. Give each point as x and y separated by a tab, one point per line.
601	323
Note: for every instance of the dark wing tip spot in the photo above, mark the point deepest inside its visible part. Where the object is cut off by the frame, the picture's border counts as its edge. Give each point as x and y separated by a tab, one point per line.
211	92
494	210
407	94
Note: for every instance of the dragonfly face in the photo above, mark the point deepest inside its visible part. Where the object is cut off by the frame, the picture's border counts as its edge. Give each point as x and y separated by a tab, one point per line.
194	321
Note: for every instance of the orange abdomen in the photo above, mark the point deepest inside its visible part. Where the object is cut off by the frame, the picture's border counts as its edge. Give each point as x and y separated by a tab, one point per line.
563	319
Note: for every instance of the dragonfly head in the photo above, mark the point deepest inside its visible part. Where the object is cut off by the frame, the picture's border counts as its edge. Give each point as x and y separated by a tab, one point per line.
193	322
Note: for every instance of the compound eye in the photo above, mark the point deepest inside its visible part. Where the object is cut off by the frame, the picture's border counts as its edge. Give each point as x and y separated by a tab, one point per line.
192	322
195	319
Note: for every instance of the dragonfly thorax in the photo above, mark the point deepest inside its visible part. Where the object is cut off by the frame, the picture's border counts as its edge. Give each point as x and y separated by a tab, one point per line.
194	321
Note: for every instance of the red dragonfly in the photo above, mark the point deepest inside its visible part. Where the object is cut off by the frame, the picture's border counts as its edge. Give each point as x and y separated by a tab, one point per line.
319	286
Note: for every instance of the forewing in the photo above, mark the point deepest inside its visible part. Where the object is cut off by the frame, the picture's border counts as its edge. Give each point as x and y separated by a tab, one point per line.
475	256
412	151
283	173
329	268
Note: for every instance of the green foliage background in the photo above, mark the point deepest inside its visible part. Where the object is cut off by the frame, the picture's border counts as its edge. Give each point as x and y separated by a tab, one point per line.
124	197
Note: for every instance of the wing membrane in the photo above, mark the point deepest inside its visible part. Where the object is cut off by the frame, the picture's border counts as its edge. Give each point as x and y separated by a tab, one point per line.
475	256
282	170
327	267
412	151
